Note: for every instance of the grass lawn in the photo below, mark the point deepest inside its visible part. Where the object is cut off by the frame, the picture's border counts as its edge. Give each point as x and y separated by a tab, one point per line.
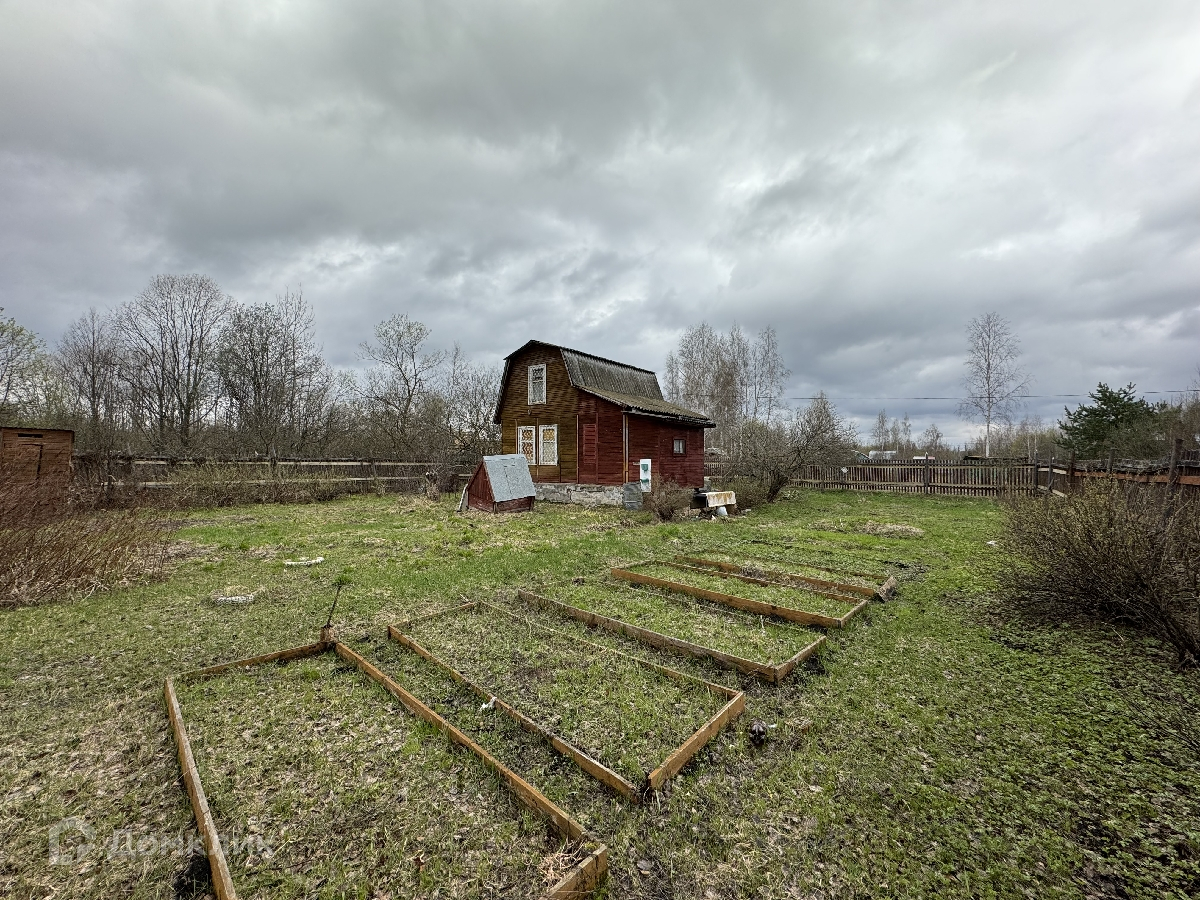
686	617
774	594
955	749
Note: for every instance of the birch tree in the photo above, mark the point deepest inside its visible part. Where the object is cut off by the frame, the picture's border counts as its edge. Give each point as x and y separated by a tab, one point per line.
995	380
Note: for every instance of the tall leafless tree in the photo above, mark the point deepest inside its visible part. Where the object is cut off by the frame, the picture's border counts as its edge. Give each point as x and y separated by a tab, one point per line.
89	361
170	334
20	361
273	376
995	380
729	378
400	396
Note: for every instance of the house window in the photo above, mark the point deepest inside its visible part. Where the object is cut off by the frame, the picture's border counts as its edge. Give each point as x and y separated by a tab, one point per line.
548	445
537	384
680	446
527	443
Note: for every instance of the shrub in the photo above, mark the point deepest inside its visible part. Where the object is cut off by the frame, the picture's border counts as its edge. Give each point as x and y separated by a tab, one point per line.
751	493
50	549
666	499
1112	551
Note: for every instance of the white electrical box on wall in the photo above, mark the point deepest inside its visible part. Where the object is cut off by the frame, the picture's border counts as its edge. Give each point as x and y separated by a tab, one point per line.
644	475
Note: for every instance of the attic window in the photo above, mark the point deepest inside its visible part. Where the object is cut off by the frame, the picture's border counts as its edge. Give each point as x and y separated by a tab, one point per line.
537	384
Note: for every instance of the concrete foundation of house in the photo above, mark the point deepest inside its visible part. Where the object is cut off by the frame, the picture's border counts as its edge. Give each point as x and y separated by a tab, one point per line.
626	495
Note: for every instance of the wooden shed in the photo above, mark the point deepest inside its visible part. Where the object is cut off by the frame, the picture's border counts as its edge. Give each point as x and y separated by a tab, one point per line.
580	418
35	462
501	484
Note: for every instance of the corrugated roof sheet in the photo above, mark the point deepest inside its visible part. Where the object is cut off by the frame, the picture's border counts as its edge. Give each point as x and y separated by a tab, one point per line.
592	373
651	406
509	475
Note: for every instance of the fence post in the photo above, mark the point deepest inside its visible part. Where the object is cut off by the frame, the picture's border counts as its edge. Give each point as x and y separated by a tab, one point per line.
1173	472
1111	452
1050	477
1071	472
928	486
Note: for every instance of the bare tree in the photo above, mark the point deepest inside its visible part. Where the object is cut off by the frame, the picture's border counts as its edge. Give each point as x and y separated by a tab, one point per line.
399	395
732	380
820	436
20	364
931	438
170	334
880	432
994	379
471	393
89	360
274	377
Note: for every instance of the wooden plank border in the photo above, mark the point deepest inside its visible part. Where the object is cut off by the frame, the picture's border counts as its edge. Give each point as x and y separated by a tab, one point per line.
767	672
221	879
882	593
680	756
873	576
743	603
833	589
580	880
592	766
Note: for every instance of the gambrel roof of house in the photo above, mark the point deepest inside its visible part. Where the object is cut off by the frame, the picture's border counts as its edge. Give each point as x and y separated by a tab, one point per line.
633	389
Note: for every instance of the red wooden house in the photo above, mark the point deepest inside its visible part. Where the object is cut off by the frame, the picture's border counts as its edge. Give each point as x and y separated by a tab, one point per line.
583	419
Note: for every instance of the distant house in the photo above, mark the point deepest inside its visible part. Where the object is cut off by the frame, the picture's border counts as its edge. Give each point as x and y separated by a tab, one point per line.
582	419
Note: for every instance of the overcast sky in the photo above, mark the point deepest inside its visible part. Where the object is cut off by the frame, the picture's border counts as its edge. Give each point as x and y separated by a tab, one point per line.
863	176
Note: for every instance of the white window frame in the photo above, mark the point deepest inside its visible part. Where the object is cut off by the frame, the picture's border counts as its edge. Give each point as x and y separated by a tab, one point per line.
547	438
534	399
531	431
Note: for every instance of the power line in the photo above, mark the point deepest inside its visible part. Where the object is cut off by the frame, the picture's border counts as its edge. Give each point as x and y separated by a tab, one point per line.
1021	396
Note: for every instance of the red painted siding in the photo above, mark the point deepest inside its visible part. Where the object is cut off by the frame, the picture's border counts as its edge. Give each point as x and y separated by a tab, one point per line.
654	439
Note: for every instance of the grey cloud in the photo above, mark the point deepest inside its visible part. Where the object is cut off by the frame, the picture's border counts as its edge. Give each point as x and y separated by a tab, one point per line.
864	177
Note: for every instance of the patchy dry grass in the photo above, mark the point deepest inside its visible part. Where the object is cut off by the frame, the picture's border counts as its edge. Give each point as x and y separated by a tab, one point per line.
569	689
325	783
686	617
955	749
775	594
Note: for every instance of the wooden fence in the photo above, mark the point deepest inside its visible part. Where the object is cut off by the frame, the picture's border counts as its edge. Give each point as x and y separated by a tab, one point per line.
932	477
980	479
152	472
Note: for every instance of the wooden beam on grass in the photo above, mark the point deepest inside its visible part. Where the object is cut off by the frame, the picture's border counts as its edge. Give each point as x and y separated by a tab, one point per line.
736	700
580	880
221	879
683	754
277	656
765	671
596	769
785	578
744	603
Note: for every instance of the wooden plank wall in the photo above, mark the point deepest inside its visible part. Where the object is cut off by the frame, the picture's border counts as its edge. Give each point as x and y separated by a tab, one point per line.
561	408
653	439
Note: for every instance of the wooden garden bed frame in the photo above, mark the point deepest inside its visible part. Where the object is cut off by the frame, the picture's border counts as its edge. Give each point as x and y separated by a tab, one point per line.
666	770
582	879
761	607
767	672
873	576
882	593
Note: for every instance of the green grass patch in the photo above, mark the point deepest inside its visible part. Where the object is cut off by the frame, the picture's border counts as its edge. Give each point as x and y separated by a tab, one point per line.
685	617
568	689
762	564
955	749
322	779
777	594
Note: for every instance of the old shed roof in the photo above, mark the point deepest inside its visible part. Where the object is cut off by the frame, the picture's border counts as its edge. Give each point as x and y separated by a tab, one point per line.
630	387
509	476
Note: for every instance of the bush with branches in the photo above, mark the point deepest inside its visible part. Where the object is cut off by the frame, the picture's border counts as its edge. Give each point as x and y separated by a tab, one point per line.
666	498
1111	551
